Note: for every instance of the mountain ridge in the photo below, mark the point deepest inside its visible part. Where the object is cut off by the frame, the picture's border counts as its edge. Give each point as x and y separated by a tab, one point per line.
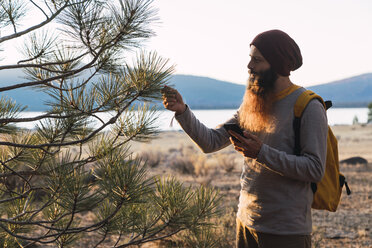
208	93
354	91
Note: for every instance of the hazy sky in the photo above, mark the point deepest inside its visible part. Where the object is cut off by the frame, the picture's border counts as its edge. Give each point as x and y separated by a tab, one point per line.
211	37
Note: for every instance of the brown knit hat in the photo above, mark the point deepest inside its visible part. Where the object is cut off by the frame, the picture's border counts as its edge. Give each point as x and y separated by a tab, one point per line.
280	50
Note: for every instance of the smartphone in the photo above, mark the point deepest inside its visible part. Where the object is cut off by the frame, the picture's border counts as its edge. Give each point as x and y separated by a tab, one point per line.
235	128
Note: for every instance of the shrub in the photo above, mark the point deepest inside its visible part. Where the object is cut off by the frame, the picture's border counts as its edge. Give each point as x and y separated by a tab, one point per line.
202	168
183	165
219	235
226	161
151	158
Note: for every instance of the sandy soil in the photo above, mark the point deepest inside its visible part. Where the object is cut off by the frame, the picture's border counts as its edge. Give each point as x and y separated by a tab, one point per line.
349	226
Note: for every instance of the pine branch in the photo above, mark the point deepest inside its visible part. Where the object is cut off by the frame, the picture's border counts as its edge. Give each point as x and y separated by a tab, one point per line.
81	141
24	195
38	26
46	161
102	240
63	75
15	173
37	6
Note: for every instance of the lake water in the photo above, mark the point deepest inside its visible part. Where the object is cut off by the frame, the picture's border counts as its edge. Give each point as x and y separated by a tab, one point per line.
211	118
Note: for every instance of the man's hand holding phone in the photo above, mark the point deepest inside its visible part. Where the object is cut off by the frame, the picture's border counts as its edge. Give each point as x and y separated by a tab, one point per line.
245	143
234	128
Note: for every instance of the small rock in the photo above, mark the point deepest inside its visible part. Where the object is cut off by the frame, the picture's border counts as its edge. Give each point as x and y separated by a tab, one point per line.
340	234
354	160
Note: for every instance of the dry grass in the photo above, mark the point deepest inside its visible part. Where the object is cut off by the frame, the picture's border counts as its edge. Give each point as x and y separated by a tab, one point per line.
226	161
151	158
183	166
188	161
349	226
173	153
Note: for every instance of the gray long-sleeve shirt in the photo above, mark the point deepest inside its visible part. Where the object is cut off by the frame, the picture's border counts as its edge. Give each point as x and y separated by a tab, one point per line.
275	192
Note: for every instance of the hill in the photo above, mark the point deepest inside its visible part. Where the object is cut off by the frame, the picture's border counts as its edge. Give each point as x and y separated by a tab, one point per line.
32	98
208	93
350	92
203	92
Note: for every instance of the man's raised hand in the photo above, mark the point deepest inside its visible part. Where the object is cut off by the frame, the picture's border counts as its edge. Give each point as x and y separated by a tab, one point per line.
172	100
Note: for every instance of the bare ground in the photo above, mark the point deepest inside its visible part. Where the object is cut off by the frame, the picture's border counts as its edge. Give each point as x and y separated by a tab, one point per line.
349	226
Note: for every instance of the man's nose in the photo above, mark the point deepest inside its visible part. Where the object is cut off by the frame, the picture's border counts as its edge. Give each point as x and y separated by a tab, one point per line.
249	66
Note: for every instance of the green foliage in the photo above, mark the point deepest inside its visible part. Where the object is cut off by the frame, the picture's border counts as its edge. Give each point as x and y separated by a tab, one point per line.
8	110
369	112
72	175
204	238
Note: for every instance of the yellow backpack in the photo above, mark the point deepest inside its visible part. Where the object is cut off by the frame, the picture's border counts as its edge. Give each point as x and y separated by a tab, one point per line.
327	192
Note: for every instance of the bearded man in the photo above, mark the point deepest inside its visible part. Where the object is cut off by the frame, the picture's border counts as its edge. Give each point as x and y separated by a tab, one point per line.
275	198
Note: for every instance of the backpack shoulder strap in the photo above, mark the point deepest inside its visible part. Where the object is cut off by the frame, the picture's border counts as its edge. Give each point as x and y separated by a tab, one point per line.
299	108
303	100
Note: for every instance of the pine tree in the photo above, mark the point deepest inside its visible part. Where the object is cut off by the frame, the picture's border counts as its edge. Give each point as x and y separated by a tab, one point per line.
369	113
73	176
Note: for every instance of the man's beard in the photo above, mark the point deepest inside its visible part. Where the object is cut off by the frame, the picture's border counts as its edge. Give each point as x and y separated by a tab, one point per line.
255	111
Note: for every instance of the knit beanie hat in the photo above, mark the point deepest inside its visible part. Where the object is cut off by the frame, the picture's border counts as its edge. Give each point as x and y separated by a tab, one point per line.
280	50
